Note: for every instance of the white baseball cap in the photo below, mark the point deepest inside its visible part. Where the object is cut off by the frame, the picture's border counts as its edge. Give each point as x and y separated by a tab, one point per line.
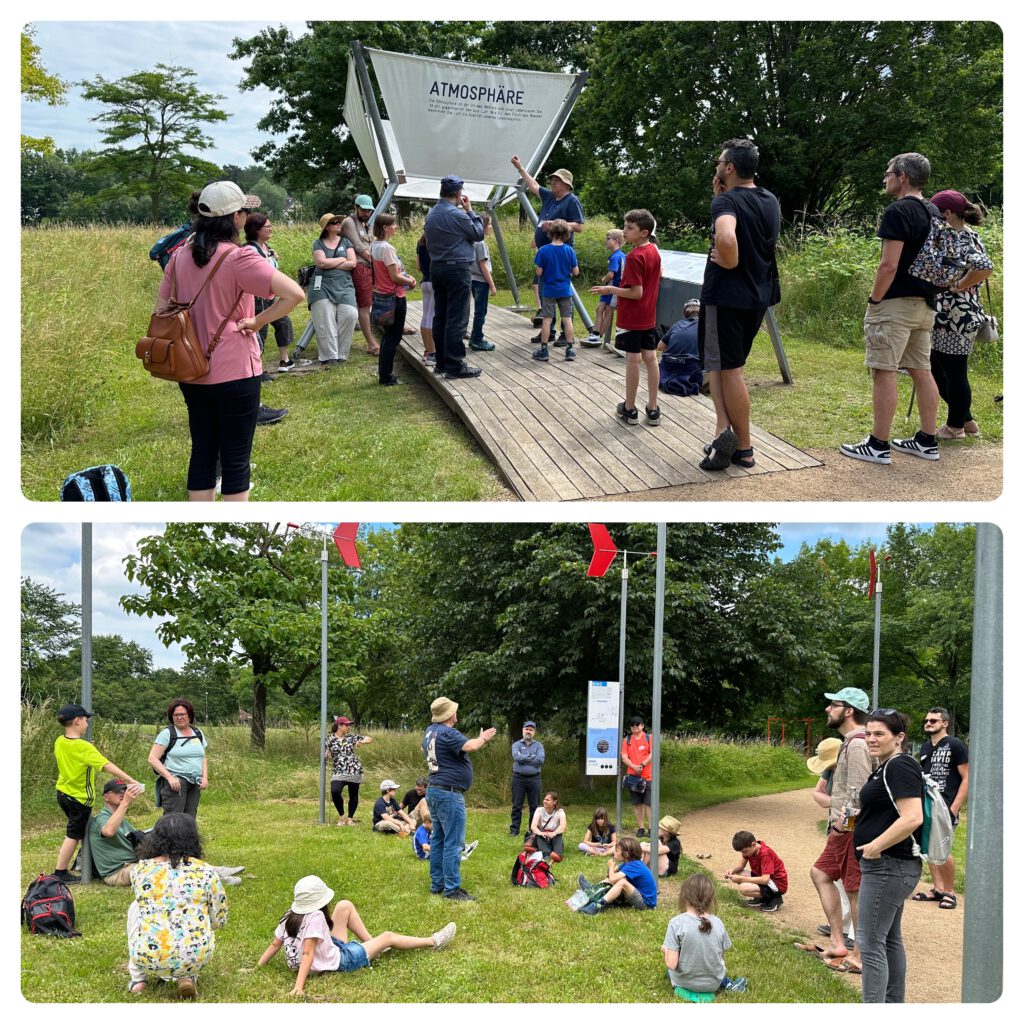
220	198
388	784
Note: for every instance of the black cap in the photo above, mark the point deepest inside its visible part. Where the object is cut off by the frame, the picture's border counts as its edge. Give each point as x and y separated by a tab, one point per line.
70	712
115	786
636	720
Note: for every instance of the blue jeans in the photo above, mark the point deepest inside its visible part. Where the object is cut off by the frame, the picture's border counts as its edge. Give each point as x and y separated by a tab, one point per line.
885	884
481	293
451	312
448	811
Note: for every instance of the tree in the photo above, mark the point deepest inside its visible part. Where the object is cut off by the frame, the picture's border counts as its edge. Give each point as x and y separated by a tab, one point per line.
38	86
165	110
244	593
49	626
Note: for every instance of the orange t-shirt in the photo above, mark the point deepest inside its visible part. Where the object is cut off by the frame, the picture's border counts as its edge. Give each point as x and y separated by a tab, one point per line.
636	750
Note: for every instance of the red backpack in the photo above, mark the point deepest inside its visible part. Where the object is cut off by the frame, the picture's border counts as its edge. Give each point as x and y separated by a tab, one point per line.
533	871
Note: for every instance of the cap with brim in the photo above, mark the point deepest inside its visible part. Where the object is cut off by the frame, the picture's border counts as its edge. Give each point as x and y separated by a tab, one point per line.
670	825
851	695
115	786
70	712
388	784
451	184
365	202
311	893
826	756
221	198
442	709
690	303
563	175
529	725
342	720
326	219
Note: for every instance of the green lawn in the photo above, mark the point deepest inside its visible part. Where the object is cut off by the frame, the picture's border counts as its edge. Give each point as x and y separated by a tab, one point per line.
513	945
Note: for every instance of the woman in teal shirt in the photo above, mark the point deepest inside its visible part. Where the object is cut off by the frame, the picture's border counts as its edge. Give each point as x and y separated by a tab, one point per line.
178	756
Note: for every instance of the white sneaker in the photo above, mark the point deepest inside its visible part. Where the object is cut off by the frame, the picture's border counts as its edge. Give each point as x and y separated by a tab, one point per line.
230	880
591	340
467	851
444	936
225	872
912	446
863	451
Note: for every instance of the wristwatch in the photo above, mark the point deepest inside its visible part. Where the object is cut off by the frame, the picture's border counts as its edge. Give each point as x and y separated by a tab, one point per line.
873	302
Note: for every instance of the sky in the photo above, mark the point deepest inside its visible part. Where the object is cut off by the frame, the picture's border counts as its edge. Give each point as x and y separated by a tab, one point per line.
51	555
81	50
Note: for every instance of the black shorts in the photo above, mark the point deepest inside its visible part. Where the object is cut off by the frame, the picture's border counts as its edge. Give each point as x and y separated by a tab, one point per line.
725	335
636	341
78	815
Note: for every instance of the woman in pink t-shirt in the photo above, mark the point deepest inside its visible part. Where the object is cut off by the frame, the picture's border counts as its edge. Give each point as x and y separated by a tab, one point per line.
222	406
389	278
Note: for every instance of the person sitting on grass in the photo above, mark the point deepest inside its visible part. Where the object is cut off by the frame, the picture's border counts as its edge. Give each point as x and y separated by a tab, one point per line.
767	880
421	839
547	827
631	881
555	267
316	940
599	839
387	815
668	847
414	803
695	943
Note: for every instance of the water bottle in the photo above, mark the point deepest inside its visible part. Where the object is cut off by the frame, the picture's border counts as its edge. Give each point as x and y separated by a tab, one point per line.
851	809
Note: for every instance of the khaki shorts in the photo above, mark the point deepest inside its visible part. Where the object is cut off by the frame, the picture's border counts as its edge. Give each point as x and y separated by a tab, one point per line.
122	876
898	335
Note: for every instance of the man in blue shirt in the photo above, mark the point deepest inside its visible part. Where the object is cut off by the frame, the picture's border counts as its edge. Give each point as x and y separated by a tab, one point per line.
451	228
449	775
680	365
527	757
558	202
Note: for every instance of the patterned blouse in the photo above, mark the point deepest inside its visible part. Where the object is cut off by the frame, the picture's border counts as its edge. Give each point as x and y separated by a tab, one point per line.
345	766
179	910
959	315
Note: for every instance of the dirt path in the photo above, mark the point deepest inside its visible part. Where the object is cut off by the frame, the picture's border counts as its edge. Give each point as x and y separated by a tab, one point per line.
969	472
788	823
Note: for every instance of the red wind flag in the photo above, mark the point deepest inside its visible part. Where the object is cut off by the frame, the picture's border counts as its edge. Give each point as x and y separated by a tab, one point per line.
604	549
345	539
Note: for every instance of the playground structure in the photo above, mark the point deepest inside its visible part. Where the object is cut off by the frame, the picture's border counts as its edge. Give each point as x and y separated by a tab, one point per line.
782	731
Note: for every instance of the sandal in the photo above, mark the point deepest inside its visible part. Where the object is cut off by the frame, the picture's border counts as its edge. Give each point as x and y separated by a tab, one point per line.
743	457
947	433
722	448
809	947
947	901
932	896
844	965
136	988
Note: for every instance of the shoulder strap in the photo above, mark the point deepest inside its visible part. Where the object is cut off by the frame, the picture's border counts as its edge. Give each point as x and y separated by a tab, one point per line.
170	743
209	277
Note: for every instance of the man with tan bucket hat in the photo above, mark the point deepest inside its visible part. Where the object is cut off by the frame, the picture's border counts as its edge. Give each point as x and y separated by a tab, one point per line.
449	776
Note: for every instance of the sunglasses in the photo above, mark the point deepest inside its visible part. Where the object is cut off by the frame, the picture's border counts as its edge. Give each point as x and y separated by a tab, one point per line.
932	721
885	712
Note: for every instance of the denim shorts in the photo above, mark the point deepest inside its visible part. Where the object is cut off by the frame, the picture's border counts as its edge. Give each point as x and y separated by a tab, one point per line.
352	954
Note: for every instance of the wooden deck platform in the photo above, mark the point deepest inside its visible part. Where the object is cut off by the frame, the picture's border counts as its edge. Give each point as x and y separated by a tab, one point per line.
551	427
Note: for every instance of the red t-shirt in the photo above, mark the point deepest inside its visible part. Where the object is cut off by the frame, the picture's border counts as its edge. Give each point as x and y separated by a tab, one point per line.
636	750
767	862
643	267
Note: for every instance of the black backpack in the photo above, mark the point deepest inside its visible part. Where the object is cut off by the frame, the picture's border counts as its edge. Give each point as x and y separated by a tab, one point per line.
174	739
97	483
49	908
166	246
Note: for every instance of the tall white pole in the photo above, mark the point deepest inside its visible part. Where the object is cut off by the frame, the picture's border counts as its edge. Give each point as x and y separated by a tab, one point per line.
622	690
878	638
323	679
659	637
87	665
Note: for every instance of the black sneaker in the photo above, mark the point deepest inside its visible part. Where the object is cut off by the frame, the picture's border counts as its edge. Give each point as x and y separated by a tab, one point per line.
918	445
755	901
390	382
535	340
284	365
772	905
265	378
867	452
66	877
653	415
631	418
560	342
266	416
581	881
459	894
465	370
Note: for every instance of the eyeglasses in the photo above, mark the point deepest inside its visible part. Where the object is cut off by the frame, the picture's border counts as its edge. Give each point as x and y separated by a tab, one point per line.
180	714
892	174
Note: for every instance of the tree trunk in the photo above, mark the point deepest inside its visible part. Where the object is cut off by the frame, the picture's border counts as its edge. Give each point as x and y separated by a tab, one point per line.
258	723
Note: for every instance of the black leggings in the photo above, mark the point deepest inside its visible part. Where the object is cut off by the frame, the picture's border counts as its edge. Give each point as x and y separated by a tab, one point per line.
950	373
222	421
390	342
337	789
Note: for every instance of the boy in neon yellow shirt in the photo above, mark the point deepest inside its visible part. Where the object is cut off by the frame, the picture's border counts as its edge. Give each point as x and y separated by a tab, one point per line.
77	763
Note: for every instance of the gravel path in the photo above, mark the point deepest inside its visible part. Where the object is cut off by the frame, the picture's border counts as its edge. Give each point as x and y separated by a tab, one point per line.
788	823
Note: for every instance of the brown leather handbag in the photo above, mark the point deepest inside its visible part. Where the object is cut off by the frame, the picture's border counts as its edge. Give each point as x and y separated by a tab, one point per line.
171	349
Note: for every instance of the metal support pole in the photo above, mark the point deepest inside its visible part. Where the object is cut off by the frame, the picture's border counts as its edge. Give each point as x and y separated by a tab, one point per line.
86	666
780	352
304	340
622	689
878	640
982	970
323	679
499	237
370	99
382	203
659	636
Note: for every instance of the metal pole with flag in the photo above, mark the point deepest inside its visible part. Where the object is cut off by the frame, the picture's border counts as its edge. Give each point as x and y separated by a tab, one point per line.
875	591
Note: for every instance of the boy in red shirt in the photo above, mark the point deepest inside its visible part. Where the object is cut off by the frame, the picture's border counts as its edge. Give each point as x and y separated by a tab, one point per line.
638	300
767	880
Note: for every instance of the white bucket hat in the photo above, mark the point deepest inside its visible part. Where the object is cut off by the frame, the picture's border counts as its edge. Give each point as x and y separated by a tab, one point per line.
311	893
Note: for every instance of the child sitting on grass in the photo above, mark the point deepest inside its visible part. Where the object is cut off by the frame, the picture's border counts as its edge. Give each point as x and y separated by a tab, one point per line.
556	266
599	839
421	838
631	881
387	815
695	943
767	880
606	305
316	941
669	847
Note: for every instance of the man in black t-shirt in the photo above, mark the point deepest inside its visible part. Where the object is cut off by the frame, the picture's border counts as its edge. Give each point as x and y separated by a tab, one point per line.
944	758
741	281
898	321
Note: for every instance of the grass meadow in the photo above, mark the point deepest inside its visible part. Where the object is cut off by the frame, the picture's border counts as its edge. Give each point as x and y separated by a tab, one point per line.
86	399
513	945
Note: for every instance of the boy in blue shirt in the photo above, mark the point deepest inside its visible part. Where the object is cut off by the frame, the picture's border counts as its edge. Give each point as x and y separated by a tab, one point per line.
632	883
555	266
613	240
421	839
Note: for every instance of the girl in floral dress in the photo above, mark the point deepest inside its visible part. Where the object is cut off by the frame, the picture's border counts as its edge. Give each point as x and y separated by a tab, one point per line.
179	903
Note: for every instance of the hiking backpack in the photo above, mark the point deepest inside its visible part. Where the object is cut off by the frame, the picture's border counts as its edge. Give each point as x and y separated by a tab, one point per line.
532	871
97	483
939	262
937	829
174	739
164	248
49	908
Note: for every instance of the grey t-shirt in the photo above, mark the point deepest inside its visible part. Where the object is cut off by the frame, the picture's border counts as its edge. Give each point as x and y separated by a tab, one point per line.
480	253
701	967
